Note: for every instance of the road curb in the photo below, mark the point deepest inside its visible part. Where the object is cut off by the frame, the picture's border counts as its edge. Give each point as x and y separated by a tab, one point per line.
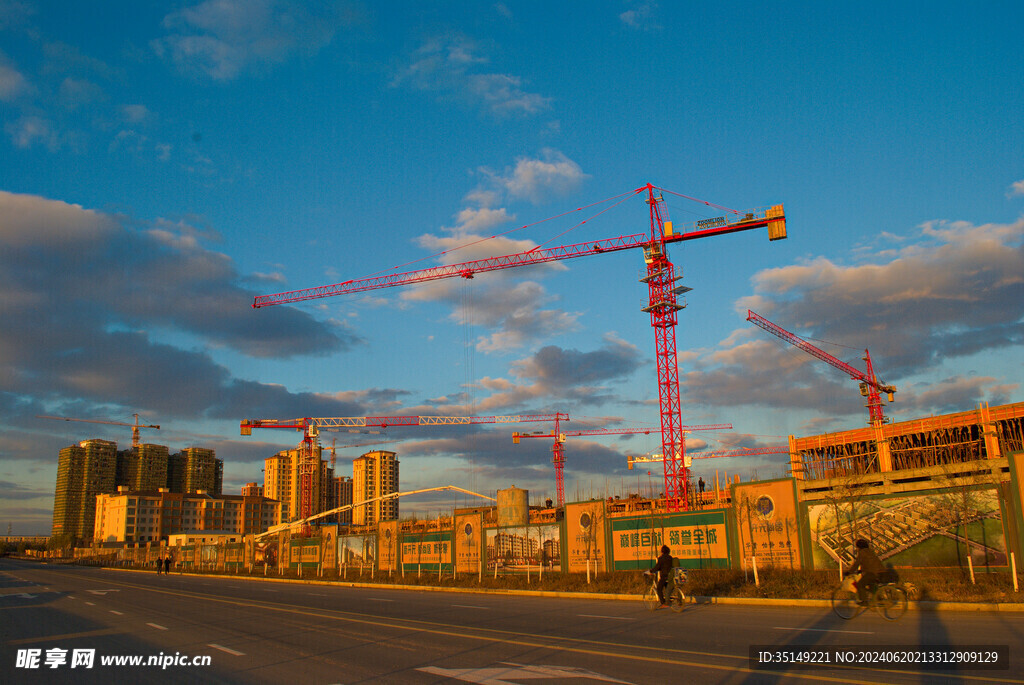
740	601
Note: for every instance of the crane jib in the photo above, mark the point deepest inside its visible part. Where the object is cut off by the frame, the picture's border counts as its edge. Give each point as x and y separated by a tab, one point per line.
773	218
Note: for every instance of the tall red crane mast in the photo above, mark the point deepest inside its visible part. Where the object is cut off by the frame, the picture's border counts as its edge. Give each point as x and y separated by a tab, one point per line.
870	386
661	287
558	449
311	427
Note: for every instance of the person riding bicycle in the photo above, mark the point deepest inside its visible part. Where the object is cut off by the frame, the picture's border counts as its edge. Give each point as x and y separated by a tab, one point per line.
870	567
664	569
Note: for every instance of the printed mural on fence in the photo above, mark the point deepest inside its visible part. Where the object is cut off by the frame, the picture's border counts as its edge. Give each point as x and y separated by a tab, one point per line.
585	532
766	521
697	540
516	548
387	545
357	550
469	529
935	529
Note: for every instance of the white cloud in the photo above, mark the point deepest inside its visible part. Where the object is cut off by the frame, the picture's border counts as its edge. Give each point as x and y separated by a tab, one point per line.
1017	189
29	130
955	291
641	16
222	38
452	64
12	83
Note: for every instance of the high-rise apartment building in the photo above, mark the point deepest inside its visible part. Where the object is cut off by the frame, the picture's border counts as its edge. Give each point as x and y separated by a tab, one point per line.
281	481
194	469
340	494
83	471
143	467
373	475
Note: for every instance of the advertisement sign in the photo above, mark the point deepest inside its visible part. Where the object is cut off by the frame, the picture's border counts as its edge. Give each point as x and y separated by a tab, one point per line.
516	548
469	539
585	536
305	551
387	547
357	550
427	551
766	519
329	545
698	540
938	529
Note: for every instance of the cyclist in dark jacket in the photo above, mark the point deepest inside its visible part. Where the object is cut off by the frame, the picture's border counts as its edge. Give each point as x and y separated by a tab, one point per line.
664	569
870	567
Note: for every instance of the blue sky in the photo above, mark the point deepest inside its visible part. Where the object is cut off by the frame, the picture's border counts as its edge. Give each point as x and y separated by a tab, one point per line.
162	165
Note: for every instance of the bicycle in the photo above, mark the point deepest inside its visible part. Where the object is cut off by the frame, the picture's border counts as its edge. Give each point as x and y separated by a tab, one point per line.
889	599
675	598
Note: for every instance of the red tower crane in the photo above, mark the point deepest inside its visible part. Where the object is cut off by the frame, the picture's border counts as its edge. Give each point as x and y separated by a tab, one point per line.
311	427
661	286
135	426
558	449
870	386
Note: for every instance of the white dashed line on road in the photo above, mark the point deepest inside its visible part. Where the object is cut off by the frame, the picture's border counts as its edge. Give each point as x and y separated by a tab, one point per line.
612	618
116	612
826	630
157	626
469	606
228	650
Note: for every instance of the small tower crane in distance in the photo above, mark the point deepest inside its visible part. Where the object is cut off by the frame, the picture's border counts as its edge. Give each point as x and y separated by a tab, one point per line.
662	290
311	428
135	426
558	449
870	386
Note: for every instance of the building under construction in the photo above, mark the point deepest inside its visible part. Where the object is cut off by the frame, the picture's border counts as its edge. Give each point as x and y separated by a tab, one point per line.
917	450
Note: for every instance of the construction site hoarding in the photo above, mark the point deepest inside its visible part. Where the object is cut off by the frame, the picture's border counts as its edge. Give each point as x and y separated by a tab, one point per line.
524	549
469	541
387	545
305	551
937	528
585	536
357	550
697	540
767	524
427	551
329	546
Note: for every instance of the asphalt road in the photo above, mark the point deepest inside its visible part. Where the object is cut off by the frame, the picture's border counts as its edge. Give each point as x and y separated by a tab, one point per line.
287	632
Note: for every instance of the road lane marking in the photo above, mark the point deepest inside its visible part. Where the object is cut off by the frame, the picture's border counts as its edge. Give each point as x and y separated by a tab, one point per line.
116	612
613	618
379	599
636	653
67	636
92	604
157	626
222	648
827	630
470	606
